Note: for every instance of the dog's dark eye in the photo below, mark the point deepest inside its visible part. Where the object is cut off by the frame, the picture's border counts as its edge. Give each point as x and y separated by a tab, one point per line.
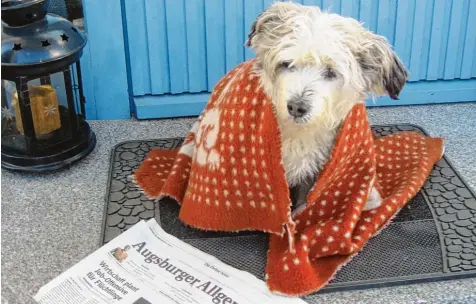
329	73
286	65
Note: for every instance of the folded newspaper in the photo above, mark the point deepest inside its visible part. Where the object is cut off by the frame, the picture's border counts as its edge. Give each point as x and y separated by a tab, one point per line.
145	265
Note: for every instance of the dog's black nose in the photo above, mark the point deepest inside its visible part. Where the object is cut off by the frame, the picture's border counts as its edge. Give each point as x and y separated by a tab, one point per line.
297	108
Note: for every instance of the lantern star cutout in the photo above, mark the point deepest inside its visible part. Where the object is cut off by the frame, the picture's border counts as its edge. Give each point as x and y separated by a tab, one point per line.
64	37
45	43
17	46
6	113
50	110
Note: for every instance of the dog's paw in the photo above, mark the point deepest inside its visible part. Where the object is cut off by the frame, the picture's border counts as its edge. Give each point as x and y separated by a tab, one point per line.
374	200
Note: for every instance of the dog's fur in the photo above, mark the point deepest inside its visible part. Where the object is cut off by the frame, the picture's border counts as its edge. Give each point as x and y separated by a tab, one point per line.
328	62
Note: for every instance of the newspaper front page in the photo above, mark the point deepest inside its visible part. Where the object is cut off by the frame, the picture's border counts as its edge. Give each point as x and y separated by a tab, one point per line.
145	265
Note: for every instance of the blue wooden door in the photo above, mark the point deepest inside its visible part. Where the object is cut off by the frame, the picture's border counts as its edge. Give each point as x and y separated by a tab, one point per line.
176	50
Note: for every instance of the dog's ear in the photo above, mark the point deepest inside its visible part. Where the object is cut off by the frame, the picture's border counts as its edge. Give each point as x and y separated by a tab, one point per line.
383	71
252	32
264	17
271	19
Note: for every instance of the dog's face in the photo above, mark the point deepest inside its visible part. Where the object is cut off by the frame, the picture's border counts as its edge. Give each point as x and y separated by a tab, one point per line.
316	65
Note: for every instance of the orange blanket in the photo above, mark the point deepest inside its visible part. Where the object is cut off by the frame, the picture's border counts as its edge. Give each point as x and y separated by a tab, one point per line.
228	176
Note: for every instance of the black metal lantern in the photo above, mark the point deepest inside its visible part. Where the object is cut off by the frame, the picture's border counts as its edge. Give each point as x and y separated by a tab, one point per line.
43	112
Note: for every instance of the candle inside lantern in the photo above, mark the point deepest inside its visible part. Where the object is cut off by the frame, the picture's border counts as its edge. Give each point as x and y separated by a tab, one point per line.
44	109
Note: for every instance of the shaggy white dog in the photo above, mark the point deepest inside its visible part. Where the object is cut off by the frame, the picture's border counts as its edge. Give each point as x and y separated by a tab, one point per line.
316	66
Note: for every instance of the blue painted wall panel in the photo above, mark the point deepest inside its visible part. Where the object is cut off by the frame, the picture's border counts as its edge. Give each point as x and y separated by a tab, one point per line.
313	2
392	20
404	23
234	33
351	9
177	42
185	46
368	13
215	40
426	39
468	67
334	6
436	42
139	52
383	21
104	62
417	44
267	3
196	59
454	37
444	39
461	40
157	46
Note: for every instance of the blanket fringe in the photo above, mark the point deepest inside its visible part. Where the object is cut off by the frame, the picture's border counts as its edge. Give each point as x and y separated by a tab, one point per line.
133	179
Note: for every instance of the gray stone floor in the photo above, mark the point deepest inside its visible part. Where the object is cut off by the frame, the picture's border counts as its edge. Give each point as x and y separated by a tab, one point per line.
50	222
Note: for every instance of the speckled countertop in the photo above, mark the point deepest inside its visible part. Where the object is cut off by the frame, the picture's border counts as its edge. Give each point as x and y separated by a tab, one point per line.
50	222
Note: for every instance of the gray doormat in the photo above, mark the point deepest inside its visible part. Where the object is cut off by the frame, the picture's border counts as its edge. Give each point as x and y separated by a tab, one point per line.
432	238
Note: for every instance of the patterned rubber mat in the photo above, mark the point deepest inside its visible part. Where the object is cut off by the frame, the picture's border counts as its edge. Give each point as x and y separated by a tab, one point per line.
432	238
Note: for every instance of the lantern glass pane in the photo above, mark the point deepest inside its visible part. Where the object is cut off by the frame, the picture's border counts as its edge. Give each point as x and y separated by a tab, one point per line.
11	124
57	82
